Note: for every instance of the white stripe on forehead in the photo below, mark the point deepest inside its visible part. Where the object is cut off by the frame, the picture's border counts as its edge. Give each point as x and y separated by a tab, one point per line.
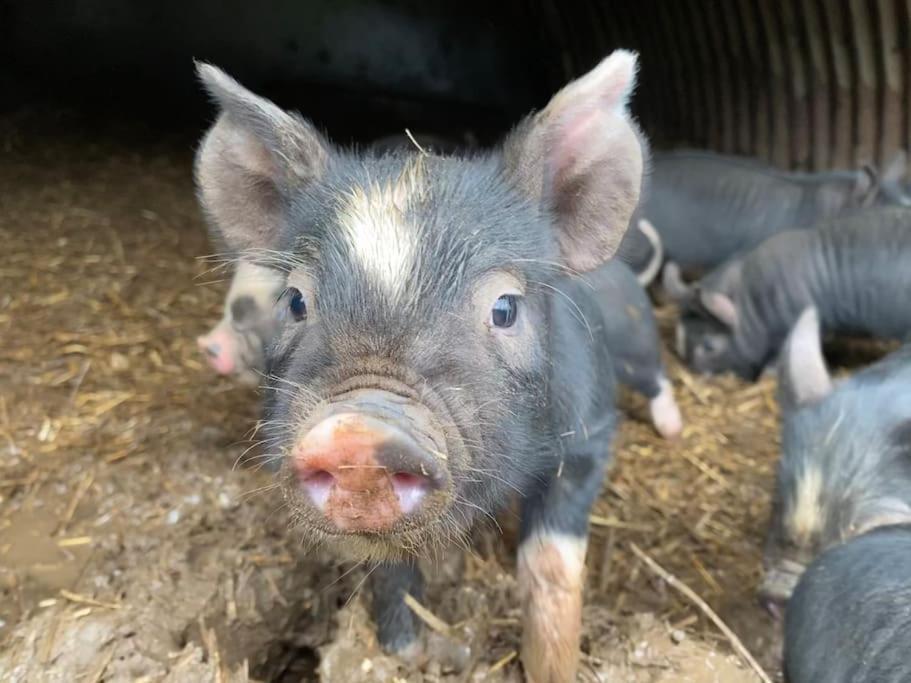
374	225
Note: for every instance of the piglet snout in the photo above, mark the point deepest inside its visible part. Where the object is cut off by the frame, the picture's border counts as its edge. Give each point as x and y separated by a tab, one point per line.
365	473
220	350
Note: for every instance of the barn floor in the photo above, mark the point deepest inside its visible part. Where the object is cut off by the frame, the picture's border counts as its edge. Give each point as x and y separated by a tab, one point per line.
137	542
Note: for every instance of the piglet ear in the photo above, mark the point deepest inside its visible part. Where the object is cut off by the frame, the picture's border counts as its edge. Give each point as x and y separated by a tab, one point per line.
721	306
582	157
803	377
250	160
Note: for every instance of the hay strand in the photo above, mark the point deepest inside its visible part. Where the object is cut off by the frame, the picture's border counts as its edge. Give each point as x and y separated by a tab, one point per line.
691	595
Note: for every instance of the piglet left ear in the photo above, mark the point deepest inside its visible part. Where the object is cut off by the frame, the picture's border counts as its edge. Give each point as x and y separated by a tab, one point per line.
582	157
803	377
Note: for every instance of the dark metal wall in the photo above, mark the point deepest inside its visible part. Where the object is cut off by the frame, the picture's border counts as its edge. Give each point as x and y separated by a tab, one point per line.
808	84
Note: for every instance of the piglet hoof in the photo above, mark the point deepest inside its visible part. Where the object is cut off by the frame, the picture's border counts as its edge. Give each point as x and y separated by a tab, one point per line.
413	653
665	413
449	652
452	653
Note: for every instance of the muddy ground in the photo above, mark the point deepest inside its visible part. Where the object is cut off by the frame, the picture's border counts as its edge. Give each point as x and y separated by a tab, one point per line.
138	542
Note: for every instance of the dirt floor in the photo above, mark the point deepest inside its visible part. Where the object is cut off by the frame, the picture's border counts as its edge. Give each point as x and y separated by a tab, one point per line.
138	542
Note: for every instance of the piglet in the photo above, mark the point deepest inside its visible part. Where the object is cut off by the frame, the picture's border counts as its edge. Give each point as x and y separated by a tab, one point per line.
437	350
845	467
632	337
236	345
709	208
854	270
849	620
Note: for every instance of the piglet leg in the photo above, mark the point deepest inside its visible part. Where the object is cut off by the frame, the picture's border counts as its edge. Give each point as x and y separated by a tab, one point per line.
551	571
397	628
551	565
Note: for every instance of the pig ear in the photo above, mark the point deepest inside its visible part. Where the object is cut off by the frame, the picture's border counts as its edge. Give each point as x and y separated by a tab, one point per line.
250	160
582	159
720	306
802	376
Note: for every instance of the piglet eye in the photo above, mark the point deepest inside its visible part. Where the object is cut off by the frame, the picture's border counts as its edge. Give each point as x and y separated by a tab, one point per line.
296	304
504	311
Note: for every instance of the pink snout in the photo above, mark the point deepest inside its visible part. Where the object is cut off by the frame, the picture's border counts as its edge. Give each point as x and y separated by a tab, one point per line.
220	350
363	473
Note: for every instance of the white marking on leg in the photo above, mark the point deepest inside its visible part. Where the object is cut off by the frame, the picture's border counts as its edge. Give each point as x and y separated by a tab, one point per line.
550	574
665	412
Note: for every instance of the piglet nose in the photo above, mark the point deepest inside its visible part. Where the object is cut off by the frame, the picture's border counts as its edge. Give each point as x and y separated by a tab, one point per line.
217	351
773	606
207	346
363	473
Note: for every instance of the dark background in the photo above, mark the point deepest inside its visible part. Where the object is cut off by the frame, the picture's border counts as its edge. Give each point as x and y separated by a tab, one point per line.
807	84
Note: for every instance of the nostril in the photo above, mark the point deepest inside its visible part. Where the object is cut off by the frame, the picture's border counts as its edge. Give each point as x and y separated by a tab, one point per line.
408	479
773	607
318	485
410	489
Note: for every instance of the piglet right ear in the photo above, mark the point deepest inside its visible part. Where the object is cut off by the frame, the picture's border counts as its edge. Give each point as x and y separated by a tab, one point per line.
582	159
803	377
249	162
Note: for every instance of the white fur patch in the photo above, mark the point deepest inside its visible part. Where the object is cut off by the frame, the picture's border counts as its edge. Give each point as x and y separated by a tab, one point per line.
665	412
259	283
806	516
570	549
551	575
374	224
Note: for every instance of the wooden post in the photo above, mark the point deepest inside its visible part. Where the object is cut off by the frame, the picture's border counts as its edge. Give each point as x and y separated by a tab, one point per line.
773	41
890	75
820	94
842	118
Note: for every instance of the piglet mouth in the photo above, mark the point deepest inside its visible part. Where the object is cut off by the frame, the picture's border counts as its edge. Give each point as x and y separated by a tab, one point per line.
372	464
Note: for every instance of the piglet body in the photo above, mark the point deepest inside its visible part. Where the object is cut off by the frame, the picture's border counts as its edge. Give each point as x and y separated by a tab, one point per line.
433	358
845	467
849	620
854	270
709	207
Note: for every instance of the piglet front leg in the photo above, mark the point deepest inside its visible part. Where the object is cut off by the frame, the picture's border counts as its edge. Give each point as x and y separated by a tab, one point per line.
551	565
551	572
397	628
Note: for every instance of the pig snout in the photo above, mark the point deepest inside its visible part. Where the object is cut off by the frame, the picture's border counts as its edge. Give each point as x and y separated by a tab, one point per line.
777	585
366	471
220	349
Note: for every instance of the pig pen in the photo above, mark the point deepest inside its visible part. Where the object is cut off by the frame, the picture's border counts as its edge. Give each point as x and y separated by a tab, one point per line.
141	539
